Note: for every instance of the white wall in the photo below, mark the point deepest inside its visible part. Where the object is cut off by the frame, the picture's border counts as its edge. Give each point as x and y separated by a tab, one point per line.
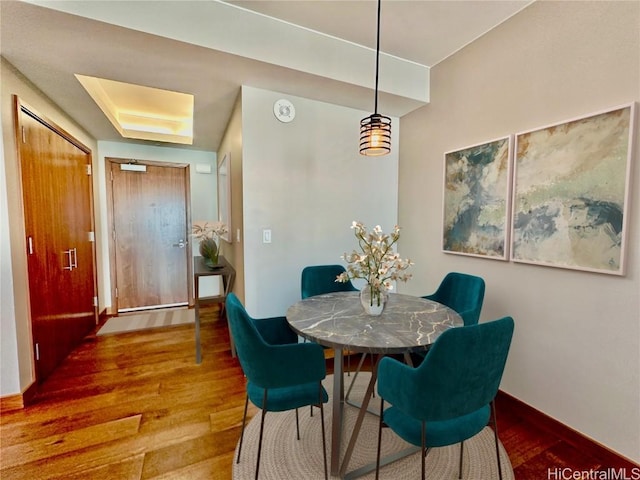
306	182
576	351
204	197
8	345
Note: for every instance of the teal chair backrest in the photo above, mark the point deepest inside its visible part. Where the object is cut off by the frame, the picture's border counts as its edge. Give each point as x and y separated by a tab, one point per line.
250	345
268	350
319	279
463	293
460	374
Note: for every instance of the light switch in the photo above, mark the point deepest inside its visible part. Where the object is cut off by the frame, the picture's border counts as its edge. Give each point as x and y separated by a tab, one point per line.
266	236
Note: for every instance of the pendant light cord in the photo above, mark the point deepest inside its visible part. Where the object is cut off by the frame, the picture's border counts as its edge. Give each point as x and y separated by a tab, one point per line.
377	58
375	130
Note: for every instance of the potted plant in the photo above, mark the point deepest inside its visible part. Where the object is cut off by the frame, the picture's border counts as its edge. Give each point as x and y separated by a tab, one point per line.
209	237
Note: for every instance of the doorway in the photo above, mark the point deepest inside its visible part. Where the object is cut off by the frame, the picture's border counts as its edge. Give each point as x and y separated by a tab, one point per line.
149	218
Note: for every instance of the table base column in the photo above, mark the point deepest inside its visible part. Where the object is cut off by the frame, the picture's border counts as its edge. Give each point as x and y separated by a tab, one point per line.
336	414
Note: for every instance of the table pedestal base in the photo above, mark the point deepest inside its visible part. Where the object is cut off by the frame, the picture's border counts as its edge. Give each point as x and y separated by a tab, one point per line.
364	409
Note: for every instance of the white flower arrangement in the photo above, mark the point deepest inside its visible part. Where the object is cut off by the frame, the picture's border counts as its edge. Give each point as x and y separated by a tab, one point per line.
206	230
377	263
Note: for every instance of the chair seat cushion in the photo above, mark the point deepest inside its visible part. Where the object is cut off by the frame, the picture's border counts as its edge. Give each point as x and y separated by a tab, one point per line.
438	434
286	398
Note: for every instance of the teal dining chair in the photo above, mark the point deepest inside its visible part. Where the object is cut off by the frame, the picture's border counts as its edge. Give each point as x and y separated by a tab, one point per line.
449	398
463	293
319	279
282	374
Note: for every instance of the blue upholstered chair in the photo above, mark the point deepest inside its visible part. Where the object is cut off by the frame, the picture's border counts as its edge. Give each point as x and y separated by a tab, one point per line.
450	396
282	374
319	279
463	293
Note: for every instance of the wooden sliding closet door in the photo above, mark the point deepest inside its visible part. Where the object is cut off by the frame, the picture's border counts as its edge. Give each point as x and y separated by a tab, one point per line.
56	186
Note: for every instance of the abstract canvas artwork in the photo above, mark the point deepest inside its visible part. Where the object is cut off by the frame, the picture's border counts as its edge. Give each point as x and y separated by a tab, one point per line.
571	190
476	200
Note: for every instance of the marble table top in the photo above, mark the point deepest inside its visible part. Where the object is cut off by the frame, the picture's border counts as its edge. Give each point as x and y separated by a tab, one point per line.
337	320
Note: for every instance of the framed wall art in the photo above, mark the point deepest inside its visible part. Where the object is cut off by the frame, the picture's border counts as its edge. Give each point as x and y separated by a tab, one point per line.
224	194
477	181
571	192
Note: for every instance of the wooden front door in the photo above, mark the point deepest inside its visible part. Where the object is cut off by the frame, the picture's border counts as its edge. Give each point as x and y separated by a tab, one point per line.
150	234
57	196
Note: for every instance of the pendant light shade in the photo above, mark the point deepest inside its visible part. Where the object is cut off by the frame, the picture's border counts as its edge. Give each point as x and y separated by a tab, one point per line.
375	135
375	130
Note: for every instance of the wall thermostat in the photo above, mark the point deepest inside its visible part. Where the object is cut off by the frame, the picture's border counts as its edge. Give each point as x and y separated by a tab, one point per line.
284	110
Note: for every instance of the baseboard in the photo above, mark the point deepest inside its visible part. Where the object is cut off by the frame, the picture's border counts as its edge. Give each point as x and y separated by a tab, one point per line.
608	457
10	403
18	402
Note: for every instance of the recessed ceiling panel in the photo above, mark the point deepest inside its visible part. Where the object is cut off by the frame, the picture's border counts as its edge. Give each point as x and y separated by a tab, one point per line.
143	113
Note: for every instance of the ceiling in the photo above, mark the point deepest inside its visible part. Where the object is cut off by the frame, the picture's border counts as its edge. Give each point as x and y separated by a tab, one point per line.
50	42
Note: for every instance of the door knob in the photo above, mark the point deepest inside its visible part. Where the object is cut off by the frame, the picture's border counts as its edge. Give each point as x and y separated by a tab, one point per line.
180	244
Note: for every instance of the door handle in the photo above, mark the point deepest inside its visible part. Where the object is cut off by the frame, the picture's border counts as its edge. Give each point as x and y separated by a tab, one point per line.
180	244
75	258
68	254
72	257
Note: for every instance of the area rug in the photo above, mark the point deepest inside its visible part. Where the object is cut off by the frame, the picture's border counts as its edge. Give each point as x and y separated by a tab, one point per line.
284	457
146	320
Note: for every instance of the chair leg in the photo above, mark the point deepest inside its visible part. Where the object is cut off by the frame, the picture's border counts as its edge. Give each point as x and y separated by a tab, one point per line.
461	453
379	437
264	412
244	421
304	340
424	450
297	425
495	433
324	444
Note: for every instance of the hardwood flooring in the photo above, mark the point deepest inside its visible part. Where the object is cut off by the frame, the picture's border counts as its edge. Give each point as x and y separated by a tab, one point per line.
136	406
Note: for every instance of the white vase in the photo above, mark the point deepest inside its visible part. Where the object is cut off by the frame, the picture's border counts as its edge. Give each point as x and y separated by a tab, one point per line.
372	306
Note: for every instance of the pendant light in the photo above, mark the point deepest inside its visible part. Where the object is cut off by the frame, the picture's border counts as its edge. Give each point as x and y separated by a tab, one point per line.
375	130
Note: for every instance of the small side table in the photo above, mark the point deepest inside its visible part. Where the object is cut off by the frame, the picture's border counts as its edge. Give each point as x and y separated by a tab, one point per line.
228	274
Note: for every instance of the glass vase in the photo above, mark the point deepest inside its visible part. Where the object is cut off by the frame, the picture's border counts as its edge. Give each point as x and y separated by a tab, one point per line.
372	302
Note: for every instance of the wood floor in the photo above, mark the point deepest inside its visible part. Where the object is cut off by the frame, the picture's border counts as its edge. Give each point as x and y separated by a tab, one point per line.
135	406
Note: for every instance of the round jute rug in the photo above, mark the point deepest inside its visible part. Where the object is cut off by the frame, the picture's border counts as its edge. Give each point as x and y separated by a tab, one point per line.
286	458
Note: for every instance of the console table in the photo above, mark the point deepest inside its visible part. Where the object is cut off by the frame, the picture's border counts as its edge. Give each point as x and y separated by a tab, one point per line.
228	274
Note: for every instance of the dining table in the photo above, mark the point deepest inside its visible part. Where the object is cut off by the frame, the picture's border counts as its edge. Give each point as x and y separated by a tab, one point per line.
337	320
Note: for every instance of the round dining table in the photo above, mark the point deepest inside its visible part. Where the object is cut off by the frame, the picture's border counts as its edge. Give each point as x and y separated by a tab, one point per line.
337	320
